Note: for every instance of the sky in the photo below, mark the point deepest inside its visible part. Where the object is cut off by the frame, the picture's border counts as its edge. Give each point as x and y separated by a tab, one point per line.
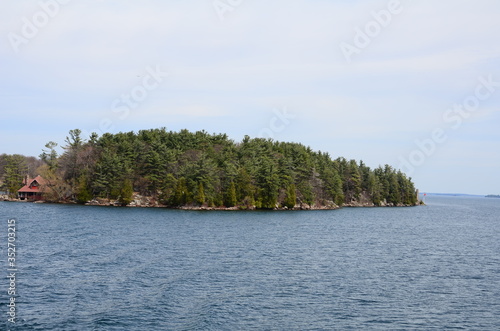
412	84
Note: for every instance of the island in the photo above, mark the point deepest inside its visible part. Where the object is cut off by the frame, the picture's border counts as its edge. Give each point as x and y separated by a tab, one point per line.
492	196
198	170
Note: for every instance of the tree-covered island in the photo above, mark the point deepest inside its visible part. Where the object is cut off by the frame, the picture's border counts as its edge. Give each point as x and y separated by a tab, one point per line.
201	170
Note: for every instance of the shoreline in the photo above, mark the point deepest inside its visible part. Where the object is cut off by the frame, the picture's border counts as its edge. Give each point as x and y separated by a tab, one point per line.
298	207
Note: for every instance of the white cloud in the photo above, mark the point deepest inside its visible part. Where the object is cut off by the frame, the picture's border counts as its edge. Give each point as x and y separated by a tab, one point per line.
230	74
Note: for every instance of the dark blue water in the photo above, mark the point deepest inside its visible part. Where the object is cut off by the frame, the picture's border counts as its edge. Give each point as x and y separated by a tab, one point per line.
98	268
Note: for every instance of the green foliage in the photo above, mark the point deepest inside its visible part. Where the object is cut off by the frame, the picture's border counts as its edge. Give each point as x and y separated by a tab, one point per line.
291	196
200	196
352	181
83	194
168	190
268	183
181	195
230	200
50	156
15	171
374	188
306	192
198	168
126	192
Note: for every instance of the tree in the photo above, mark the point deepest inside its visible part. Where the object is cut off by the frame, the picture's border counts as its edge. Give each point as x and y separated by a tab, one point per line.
83	194
352	181
49	155
15	172
126	192
230	197
69	161
200	196
291	196
244	186
200	168
268	184
74	140
181	196
109	170
332	184
56	189
394	190
153	171
374	188
168	190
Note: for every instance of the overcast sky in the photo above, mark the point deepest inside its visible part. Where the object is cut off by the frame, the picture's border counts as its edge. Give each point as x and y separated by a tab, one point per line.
413	84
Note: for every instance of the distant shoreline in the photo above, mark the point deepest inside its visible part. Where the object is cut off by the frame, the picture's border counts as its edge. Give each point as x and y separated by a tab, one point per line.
456	195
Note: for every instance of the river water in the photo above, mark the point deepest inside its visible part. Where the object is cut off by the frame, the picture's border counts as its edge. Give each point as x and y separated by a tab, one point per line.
100	268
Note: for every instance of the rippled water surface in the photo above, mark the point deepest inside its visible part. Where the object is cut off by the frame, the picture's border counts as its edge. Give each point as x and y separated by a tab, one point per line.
99	268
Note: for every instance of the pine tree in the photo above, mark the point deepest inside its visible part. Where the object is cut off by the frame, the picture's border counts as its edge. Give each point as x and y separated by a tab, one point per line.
268	182
374	189
49	155
83	194
15	171
291	197
168	190
181	196
230	200
200	196
126	192
394	190
202	168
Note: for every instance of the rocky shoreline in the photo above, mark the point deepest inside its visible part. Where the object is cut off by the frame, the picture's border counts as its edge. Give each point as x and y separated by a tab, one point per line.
140	201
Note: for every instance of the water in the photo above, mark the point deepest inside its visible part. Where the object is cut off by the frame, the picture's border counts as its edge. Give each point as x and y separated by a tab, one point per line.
99	268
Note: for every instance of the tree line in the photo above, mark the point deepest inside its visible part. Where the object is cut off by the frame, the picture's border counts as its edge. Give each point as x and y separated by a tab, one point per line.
200	169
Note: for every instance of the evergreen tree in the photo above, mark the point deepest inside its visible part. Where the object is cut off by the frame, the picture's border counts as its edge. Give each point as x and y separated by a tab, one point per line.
394	190
244	186
15	172
126	192
230	200
291	197
83	194
49	155
200	196
181	196
168	190
268	185
200	168
374	188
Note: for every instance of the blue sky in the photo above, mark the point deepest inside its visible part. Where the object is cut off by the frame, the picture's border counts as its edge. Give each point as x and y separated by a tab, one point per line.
414	84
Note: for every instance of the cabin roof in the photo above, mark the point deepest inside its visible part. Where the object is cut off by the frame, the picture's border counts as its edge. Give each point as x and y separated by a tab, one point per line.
29	186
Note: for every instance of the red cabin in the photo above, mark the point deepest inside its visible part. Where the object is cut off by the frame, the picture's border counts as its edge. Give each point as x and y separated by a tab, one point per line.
32	189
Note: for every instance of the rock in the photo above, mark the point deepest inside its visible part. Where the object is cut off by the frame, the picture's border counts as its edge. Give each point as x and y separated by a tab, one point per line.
305	206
